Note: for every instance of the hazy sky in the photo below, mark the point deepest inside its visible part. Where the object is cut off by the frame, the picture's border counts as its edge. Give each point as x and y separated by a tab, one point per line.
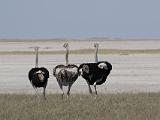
79	18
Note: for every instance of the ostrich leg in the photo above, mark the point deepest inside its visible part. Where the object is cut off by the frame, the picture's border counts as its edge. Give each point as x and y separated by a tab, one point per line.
95	88
37	94
61	87
35	89
69	88
44	92
90	90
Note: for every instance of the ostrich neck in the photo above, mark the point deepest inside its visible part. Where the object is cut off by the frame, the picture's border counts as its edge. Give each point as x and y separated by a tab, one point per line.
36	57
96	57
67	52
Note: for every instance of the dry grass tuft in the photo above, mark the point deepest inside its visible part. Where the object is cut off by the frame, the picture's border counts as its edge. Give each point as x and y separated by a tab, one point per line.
142	106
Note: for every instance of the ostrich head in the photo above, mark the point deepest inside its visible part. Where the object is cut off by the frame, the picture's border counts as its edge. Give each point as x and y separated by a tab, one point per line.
65	45
103	66
96	45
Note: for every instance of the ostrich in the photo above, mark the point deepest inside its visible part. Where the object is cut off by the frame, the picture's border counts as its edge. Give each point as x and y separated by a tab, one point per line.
38	76
67	74
95	73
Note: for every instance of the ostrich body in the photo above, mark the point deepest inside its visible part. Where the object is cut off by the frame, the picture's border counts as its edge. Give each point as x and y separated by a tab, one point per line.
38	76
67	74
95	73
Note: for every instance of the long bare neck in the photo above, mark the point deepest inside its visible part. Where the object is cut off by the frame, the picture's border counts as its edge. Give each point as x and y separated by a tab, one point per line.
67	52
36	50
96	45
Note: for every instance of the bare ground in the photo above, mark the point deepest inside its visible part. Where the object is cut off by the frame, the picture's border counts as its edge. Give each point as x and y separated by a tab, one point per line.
131	72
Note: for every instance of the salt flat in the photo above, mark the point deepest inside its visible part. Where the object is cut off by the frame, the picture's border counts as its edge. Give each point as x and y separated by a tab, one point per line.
131	73
122	44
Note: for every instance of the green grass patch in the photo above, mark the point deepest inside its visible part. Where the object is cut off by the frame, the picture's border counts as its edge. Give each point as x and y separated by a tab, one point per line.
142	106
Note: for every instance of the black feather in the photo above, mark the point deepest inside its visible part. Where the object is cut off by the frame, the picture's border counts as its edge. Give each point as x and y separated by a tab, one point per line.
34	79
95	74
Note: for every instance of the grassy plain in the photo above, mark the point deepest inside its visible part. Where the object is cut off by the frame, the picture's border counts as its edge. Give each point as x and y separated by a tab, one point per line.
124	106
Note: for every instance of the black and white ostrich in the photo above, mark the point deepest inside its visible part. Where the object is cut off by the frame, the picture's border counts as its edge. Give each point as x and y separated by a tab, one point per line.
38	76
67	74
95	73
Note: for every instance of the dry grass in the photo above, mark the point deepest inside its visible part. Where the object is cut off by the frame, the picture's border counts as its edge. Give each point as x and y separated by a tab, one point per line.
86	51
142	106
